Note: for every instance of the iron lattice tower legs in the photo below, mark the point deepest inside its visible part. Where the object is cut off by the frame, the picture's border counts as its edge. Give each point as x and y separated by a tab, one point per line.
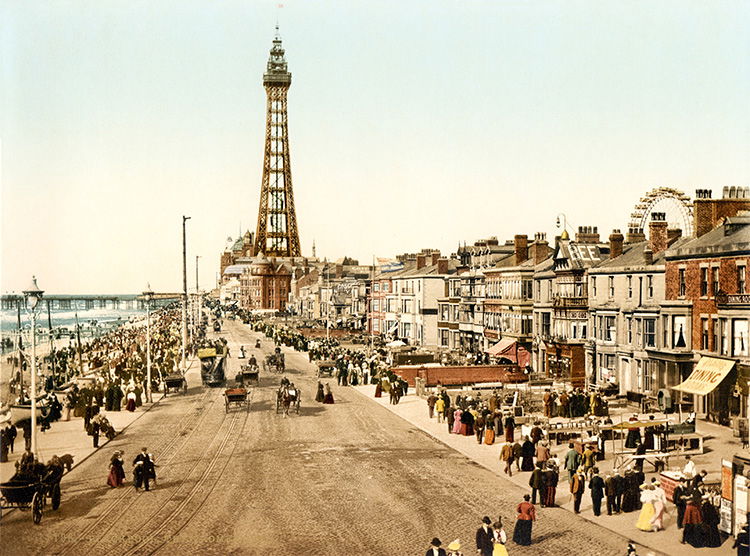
276	234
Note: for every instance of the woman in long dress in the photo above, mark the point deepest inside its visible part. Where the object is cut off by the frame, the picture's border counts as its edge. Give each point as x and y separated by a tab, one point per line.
116	472
691	522
660	505
524	520
328	398
320	396
500	538
457	421
130	405
647	509
527	455
710	526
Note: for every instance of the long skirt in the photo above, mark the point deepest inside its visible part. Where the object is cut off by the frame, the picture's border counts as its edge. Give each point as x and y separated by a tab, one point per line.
468	430
457	427
499	550
509	434
489	437
378	390
328	399
320	396
633	439
130	405
549	496
527	463
116	476
658	519
645	517
522	532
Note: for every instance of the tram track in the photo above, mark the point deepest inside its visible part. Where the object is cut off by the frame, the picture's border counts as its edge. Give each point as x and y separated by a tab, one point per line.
124	499
157	538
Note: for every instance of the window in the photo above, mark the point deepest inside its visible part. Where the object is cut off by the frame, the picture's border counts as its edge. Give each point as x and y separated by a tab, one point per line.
715	276
724	328
650	286
638	333
739	337
704	281
681	274
630	287
649	332
546	325
386	287
376	305
407	330
715	335
679	326
611	281
593	286
740	279
609	329
444	338
704	333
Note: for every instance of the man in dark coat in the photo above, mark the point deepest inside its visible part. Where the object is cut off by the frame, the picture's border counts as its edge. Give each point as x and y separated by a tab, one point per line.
679	496
577	487
596	486
536	482
485	537
142	470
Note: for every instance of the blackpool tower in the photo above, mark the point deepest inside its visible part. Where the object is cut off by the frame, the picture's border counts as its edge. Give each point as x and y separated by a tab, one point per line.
276	234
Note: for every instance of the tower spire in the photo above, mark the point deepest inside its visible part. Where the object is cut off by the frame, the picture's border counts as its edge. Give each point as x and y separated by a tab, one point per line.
277	234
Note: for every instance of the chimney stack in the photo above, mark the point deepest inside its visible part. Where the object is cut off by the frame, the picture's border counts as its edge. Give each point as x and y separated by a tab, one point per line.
648	255
673	234
421	261
442	266
635	235
657	232
615	244
587	234
521	244
709	213
435	255
539	248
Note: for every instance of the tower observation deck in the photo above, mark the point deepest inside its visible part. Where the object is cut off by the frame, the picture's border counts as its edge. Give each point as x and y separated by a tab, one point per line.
276	234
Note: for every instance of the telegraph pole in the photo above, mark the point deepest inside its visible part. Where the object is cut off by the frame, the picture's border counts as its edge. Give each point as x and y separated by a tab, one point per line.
184	294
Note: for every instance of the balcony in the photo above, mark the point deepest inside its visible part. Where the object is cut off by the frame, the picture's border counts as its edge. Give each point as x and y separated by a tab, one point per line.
570	302
733	299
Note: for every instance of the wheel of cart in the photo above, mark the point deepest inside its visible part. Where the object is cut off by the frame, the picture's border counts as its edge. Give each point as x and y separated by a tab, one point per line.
29	494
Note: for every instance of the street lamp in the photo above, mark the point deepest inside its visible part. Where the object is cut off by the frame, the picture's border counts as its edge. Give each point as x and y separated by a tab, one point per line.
32	296
149	295
184	294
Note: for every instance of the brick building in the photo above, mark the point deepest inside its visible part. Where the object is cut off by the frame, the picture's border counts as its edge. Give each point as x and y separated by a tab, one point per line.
265	284
708	277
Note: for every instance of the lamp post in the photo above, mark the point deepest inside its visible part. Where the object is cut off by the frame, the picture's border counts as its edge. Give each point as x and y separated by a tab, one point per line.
184	294
32	296
149	295
197	308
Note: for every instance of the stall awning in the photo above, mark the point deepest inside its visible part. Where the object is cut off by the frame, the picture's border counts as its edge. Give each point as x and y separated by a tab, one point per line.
501	346
707	375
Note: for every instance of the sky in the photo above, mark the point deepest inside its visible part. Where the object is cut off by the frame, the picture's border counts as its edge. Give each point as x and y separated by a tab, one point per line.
412	124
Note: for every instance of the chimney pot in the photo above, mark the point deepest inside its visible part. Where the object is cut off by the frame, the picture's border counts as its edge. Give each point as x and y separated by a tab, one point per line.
615	244
442	266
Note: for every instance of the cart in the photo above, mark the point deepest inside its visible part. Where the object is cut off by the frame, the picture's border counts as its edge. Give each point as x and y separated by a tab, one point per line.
250	374
30	492
237	398
175	382
326	367
274	363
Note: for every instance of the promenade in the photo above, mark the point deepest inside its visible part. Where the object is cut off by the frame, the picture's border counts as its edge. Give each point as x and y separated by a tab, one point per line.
69	437
413	409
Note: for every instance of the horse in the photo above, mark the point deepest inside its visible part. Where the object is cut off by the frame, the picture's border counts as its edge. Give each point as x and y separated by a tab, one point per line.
287	396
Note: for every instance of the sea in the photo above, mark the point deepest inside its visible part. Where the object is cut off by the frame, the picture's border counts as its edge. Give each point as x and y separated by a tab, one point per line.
93	322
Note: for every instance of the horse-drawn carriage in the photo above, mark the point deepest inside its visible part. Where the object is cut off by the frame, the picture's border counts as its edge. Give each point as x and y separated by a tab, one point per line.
249	374
274	363
288	397
176	382
326	367
237	398
29	489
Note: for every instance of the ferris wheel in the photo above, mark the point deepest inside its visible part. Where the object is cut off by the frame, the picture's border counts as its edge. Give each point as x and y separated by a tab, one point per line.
673	202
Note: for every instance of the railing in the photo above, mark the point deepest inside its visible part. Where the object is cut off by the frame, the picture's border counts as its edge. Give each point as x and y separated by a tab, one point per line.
577	302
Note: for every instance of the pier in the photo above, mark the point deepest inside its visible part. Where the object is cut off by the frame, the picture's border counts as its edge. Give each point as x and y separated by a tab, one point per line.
87	302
